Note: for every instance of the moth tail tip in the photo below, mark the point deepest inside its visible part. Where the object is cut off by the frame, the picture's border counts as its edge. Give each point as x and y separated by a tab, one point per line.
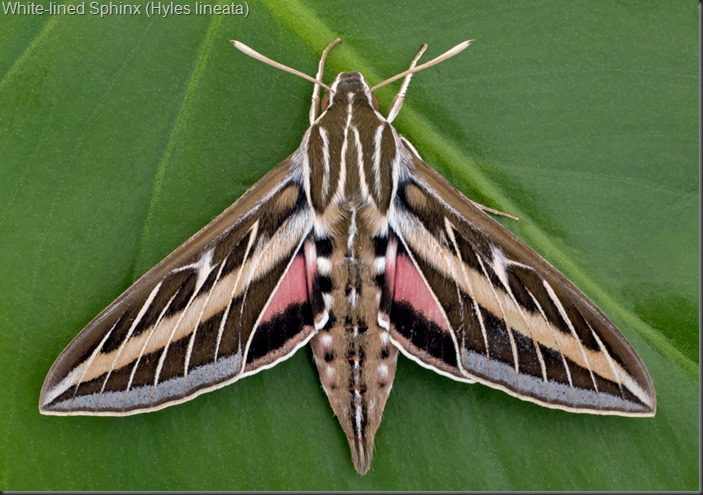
362	453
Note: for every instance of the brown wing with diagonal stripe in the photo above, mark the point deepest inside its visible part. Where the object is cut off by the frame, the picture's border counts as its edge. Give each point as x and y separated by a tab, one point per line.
231	300
475	303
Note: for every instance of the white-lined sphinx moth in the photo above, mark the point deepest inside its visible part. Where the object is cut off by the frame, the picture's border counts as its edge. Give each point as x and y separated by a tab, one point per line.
357	246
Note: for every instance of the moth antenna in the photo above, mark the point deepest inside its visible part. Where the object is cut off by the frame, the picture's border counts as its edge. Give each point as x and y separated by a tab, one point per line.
448	54
262	58
315	107
397	102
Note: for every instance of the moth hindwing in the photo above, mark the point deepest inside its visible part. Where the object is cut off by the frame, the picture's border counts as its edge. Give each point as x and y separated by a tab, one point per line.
357	246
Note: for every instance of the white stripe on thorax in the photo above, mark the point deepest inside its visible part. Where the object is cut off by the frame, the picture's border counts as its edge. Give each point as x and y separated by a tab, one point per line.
341	184
325	163
377	159
363	183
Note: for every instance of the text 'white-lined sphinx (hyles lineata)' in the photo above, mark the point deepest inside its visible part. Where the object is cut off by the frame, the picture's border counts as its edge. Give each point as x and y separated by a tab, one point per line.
358	247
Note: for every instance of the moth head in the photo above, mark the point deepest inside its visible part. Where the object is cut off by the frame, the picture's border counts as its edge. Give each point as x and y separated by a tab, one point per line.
349	85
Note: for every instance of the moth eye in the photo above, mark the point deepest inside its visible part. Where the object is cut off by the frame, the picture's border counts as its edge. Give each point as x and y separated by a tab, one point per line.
325	102
374	102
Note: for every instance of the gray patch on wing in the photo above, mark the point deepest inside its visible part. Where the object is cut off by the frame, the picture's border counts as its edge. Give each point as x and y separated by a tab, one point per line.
550	393
199	380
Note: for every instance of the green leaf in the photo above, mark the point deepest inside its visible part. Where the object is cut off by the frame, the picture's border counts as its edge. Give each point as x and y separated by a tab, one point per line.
121	136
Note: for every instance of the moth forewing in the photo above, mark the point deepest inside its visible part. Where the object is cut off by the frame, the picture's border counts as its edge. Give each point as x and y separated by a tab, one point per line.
520	325
165	326
354	244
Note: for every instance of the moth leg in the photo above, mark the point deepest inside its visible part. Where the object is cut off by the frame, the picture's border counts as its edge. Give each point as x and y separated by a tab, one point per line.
488	209
397	102
315	107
